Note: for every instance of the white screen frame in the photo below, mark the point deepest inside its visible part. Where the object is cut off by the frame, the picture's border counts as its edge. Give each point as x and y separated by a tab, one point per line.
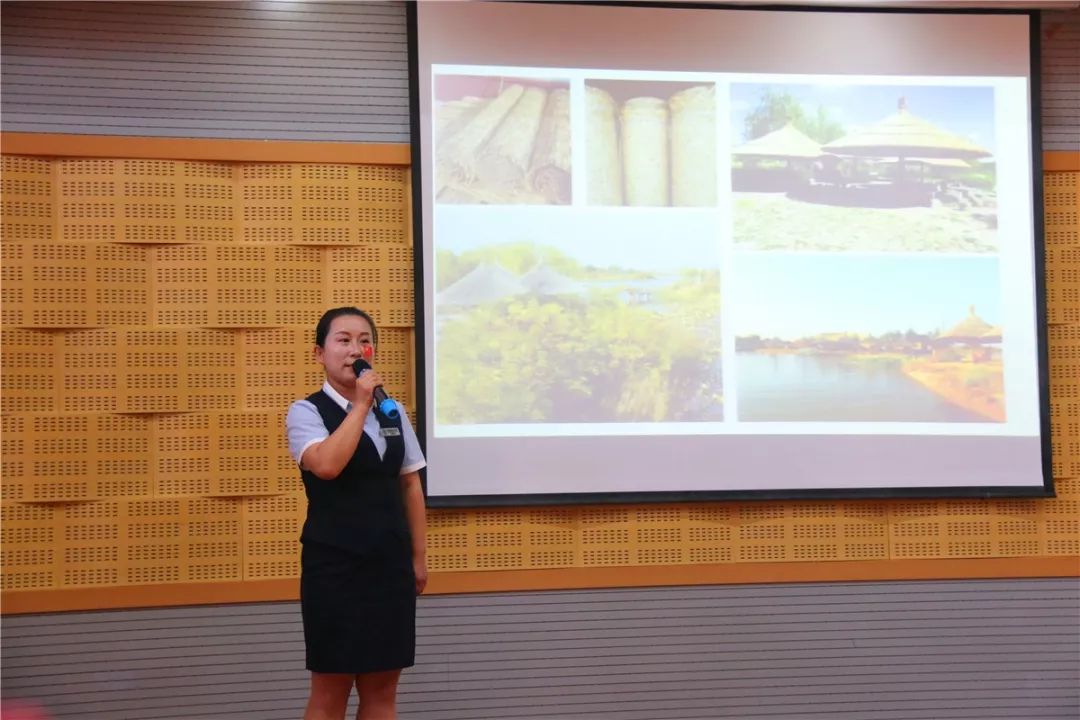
996	476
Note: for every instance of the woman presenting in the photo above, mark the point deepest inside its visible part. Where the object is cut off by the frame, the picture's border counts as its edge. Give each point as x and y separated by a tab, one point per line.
364	541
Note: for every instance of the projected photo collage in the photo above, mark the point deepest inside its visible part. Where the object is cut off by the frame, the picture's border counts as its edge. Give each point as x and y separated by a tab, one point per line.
584	227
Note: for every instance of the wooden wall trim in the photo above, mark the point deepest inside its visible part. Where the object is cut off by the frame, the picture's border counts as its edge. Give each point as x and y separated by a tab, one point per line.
19	602
149	148
1061	161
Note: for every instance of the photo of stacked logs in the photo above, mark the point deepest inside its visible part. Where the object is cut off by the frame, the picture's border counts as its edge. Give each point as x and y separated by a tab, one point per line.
506	143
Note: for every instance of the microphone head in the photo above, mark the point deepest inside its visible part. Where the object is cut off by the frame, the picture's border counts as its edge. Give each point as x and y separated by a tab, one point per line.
360	365
368	351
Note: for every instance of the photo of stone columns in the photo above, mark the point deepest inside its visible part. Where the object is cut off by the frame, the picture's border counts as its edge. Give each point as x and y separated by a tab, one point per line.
651	144
501	140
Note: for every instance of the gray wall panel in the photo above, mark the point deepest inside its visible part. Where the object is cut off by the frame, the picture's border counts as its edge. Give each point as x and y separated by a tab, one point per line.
266	70
1060	60
281	70
912	650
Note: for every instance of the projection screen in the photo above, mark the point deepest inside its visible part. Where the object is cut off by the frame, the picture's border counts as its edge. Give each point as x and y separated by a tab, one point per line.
691	253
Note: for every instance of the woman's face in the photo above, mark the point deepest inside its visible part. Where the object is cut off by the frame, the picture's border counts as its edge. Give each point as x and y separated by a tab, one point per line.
345	343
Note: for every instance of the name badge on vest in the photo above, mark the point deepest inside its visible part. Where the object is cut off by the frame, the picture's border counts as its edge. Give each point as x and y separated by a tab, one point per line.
389	432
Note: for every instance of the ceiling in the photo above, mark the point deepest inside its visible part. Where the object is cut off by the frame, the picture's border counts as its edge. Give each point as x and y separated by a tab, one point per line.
941	4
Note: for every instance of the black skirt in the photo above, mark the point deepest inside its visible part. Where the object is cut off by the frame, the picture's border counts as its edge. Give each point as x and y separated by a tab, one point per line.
359	611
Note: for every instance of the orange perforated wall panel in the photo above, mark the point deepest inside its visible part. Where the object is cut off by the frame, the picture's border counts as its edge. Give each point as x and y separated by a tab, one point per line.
157	321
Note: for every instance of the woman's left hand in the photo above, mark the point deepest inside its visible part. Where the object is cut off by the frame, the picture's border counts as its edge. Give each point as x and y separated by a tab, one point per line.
420	570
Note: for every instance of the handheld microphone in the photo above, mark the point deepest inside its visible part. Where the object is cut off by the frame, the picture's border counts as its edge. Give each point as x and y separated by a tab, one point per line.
384	402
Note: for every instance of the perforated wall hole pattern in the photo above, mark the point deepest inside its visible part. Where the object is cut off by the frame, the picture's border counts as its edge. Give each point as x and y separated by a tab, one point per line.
157	322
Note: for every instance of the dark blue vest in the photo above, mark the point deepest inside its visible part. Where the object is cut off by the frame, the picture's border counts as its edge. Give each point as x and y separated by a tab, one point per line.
362	509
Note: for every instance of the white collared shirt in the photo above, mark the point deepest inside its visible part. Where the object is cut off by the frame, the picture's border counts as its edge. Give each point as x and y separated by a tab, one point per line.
304	427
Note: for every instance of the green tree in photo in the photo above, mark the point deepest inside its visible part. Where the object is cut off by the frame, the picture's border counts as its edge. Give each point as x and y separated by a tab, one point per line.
821	127
776	109
696	294
449	268
569	360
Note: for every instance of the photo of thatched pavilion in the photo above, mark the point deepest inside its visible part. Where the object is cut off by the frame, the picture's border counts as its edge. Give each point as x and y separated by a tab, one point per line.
867	168
904	134
972	340
487	282
546	281
903	137
775	162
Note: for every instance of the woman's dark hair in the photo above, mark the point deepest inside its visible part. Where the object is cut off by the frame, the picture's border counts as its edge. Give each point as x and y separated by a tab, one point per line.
323	328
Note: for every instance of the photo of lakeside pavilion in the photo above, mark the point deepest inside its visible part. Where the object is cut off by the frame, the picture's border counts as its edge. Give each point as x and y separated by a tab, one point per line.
822	167
870	339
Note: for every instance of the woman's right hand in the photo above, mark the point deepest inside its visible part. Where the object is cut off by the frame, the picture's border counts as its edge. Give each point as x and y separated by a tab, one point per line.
364	394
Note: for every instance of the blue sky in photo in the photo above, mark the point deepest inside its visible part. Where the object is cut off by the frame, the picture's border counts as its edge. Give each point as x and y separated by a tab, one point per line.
967	111
791	296
650	239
